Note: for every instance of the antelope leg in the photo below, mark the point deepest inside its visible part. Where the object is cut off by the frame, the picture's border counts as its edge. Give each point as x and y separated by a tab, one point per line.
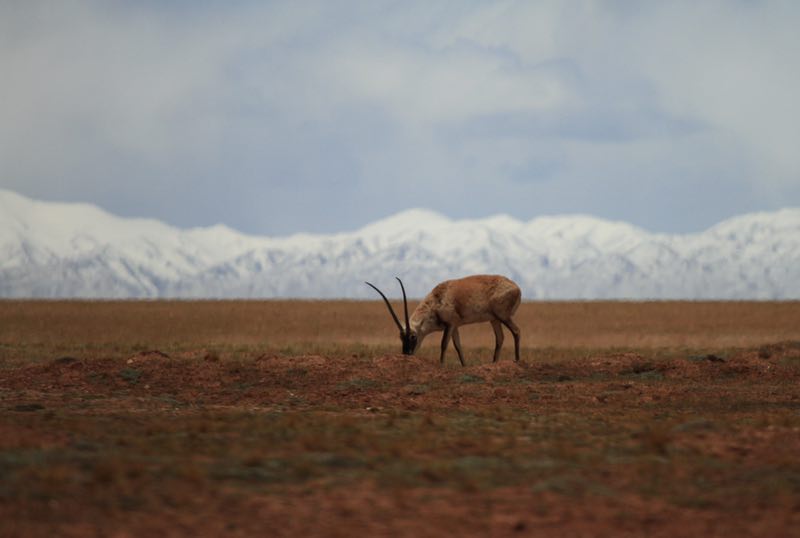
516	332
448	330
457	344
498	339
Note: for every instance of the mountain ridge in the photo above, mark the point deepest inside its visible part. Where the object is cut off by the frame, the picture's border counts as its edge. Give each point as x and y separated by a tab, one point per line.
63	250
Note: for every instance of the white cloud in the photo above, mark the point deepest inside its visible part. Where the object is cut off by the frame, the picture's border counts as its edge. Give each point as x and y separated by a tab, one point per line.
425	89
532	107
734	70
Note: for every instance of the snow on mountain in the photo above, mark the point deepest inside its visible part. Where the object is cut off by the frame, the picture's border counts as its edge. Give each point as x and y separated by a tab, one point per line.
78	250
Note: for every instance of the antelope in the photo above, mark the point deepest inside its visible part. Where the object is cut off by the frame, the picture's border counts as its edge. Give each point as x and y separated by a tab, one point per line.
472	299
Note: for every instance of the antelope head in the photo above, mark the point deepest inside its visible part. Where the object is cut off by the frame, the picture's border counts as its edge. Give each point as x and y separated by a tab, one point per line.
407	336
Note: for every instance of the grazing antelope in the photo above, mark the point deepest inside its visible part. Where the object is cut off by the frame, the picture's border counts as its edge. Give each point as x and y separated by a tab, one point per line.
453	303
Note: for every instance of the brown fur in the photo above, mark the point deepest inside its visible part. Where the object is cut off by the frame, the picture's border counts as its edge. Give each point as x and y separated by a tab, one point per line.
473	299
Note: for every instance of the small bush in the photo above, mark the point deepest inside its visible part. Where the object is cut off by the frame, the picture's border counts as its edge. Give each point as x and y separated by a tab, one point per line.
130	375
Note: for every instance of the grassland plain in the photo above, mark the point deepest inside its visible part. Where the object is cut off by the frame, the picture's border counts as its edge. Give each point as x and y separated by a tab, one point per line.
300	418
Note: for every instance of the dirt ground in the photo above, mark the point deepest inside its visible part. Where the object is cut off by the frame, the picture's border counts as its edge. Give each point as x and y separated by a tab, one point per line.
102	434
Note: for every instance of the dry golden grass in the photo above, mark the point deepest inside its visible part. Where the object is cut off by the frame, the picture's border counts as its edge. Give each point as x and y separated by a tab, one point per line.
283	324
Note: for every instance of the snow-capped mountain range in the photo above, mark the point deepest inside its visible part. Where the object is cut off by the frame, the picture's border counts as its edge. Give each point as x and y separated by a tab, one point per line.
78	250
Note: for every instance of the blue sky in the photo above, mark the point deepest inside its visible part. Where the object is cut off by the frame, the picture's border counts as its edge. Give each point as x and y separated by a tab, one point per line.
278	117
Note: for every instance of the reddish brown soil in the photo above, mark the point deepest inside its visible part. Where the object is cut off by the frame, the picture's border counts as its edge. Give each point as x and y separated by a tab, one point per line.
606	444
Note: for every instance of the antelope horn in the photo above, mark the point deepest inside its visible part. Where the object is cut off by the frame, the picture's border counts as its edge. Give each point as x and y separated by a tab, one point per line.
388	305
405	302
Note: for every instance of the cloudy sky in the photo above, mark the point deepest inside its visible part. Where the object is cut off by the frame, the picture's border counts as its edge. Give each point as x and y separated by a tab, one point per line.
277	117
